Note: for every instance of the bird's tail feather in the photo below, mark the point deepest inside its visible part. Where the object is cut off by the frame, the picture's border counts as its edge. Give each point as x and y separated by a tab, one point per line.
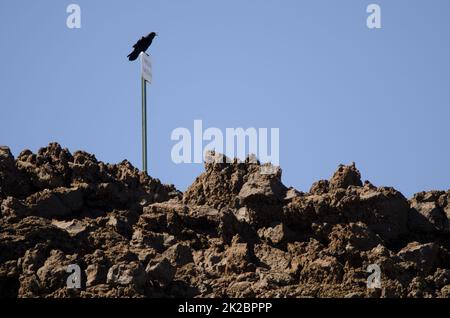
133	55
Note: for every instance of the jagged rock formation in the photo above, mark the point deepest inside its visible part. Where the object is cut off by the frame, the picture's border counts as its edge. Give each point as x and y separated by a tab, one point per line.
235	232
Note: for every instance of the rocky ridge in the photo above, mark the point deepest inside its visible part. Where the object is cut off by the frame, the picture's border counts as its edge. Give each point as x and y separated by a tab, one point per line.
235	232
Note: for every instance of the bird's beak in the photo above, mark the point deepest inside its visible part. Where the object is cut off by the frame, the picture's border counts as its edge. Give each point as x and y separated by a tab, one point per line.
156	34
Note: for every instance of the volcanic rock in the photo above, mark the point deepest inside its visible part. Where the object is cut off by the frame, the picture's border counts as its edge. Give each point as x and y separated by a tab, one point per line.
237	231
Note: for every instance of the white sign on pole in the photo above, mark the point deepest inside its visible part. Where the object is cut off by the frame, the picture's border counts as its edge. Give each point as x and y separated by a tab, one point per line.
146	67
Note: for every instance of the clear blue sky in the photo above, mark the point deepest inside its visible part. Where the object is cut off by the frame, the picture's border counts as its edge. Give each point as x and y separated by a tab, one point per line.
338	91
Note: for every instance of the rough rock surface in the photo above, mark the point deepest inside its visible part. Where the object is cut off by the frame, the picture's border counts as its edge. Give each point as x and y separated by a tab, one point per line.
235	232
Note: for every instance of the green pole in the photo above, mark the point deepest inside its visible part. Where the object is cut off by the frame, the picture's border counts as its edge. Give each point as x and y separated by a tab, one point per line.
144	124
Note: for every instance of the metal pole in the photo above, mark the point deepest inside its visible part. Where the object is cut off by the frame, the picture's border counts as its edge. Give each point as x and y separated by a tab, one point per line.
144	124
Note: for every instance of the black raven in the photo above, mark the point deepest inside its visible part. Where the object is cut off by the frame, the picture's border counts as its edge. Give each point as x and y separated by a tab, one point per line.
141	46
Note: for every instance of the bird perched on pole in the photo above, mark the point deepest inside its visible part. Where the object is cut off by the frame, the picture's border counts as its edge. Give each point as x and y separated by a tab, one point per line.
141	46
